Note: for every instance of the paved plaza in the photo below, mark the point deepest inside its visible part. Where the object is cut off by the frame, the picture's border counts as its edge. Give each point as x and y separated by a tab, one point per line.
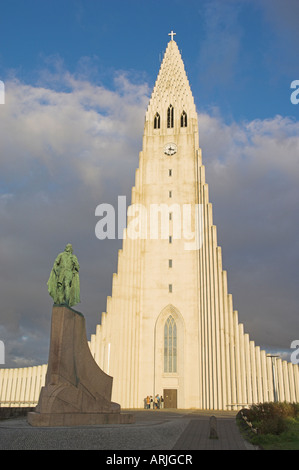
177	430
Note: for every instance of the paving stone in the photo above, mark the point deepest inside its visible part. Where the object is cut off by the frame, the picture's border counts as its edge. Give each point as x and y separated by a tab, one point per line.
153	430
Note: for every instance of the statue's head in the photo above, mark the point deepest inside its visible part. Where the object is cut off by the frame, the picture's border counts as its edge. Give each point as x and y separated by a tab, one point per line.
69	248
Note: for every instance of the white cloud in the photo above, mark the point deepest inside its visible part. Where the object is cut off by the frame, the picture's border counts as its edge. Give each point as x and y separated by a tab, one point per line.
78	132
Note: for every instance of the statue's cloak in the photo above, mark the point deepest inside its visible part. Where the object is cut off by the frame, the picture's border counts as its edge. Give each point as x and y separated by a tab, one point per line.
61	272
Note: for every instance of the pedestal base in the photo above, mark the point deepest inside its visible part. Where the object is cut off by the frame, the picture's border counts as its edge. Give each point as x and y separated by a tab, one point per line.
77	391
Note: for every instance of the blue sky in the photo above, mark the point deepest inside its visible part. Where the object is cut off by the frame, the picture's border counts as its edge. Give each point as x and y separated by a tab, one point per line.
78	75
240	55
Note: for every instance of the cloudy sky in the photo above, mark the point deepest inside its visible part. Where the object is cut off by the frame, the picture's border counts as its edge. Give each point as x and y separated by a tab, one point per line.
78	76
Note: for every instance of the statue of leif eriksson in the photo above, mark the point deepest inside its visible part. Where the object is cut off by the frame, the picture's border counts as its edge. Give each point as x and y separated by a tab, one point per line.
63	283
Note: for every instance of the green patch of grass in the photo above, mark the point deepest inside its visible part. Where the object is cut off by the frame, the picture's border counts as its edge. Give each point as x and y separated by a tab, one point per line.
277	425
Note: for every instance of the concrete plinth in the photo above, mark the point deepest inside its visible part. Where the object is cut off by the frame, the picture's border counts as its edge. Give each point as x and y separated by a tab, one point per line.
76	392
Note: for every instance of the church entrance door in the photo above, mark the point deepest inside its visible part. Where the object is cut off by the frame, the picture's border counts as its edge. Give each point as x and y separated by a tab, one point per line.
170	397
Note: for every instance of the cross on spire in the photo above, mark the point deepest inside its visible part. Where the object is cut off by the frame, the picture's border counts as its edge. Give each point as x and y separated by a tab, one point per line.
172	34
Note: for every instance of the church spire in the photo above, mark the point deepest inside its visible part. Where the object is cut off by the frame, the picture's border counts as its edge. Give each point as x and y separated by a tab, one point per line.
171	92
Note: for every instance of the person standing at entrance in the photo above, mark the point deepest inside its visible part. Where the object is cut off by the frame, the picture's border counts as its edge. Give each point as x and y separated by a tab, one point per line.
148	402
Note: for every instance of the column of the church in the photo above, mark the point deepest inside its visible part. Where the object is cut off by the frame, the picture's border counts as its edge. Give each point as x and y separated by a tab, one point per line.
286	380
10	385
99	342
5	384
32	384
292	368
237	384
18	397
103	341
115	337
231	315
124	275
264	375
248	369
2	383
211	310
270	378
222	370
131	335
215	319
209	344
202	287
258	374
207	379
103	338
291	382
134	344
227	371
253	371
13	385
23	383
242	377
91	344
281	395
296	380
109	329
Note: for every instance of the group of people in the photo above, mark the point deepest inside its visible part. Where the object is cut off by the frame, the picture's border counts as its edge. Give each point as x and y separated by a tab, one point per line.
154	403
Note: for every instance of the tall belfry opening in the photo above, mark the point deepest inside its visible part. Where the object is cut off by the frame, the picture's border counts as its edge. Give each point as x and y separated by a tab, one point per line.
170	327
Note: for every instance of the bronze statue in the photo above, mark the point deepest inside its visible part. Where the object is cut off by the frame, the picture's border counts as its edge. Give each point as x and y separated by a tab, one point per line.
63	283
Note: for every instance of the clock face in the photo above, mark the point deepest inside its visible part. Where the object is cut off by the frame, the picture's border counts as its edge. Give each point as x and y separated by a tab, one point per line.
170	149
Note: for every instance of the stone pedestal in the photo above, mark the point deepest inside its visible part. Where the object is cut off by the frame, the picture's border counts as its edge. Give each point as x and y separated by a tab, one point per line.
76	392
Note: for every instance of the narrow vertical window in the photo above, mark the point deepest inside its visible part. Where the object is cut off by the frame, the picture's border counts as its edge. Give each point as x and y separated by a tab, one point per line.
170	288
170	263
184	119
169	172
170	116
170	239
170	194
157	121
170	345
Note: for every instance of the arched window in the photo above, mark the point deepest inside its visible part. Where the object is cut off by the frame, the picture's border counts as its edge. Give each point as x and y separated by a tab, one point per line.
170	116
184	119
170	345
157	121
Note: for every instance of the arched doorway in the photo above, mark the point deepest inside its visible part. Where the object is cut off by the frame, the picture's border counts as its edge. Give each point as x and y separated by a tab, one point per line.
169	357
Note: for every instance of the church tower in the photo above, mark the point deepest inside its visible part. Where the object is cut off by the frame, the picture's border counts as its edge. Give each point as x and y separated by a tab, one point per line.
170	327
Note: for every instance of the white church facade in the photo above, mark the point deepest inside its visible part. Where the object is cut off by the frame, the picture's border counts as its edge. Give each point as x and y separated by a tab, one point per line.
170	327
